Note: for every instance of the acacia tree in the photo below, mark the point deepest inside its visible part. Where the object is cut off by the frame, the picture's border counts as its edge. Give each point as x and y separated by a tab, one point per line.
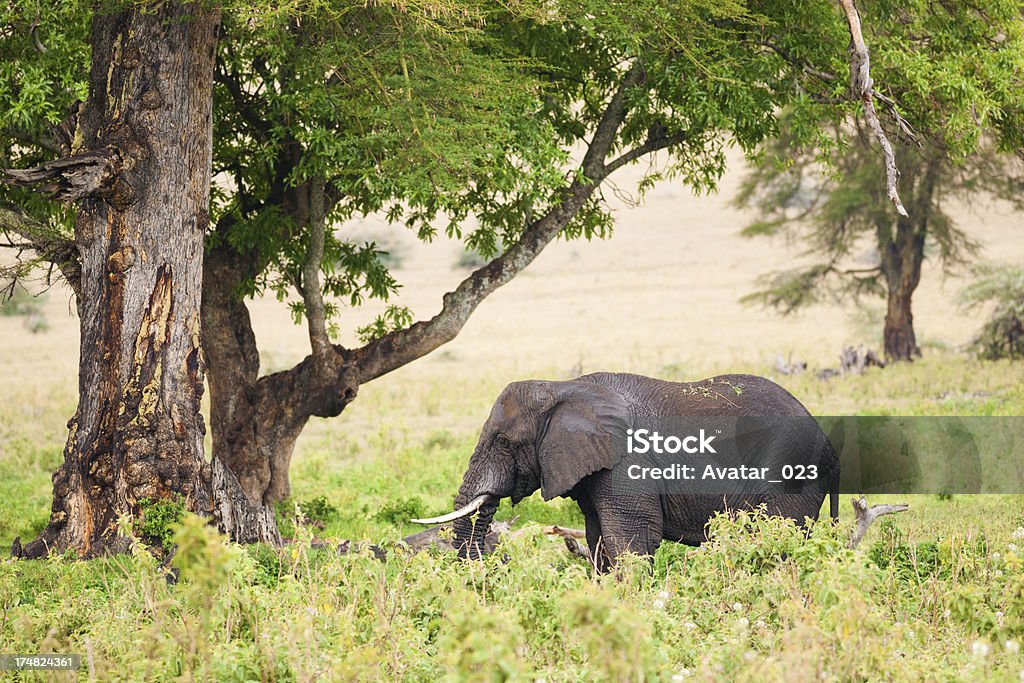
625	82
956	86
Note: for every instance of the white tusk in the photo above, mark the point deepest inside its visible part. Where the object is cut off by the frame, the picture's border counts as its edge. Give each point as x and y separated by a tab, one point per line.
463	511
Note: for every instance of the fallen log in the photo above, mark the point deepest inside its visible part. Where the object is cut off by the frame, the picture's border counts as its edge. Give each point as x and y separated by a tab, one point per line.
865	515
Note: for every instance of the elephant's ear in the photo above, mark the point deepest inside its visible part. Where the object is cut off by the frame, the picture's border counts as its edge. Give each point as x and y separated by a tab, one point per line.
586	432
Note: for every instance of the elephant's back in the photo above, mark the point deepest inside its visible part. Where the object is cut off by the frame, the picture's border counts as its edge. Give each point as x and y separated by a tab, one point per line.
724	395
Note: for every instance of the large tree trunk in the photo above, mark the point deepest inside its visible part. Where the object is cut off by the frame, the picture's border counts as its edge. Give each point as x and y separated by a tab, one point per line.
141	176
903	273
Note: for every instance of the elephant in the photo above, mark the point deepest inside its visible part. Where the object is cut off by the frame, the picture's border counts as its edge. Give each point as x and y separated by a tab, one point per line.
568	439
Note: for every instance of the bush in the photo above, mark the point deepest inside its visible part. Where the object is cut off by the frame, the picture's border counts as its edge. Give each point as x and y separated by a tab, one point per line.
316	512
400	511
159	518
1002	286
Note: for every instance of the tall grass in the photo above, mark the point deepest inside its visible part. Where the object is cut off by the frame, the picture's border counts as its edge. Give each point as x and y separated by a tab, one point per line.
934	594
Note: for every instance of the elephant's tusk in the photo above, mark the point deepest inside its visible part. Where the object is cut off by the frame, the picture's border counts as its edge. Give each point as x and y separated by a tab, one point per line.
463	511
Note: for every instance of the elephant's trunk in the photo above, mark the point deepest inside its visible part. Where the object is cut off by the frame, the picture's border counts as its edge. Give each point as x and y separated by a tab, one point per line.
470	531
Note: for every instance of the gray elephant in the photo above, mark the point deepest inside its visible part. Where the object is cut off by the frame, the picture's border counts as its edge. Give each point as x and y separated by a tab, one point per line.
578	439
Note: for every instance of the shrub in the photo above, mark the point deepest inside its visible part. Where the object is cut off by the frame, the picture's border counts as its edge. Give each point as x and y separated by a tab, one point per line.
1002	286
159	518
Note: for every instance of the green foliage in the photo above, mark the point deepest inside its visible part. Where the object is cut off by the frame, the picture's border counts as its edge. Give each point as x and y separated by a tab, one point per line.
1002	288
290	514
461	114
401	511
939	558
758	602
318	509
393	318
159	519
409	110
45	52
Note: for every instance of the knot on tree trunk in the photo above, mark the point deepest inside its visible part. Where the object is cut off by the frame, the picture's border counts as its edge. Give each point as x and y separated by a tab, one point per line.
330	383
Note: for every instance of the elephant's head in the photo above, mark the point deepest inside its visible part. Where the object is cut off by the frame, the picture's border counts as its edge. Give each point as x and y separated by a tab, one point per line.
546	435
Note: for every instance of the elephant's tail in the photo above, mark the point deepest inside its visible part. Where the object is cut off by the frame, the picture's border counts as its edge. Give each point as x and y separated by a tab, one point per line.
833	495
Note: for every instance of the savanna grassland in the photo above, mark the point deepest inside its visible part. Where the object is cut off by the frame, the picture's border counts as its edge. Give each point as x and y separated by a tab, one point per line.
936	593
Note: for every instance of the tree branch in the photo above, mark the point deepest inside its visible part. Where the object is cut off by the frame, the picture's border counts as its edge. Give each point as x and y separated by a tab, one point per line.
863	87
804	65
47	244
644	149
608	127
312	296
397	348
93	174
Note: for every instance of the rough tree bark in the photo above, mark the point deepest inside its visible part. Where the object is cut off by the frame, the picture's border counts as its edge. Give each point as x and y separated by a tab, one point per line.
139	170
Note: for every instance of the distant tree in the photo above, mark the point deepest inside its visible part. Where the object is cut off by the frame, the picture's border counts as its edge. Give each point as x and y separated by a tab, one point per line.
948	68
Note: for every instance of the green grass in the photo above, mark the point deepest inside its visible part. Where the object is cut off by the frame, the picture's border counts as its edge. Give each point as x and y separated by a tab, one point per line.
935	593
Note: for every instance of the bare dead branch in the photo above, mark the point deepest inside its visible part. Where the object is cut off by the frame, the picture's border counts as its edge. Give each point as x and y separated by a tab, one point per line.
863	87
865	515
576	548
901	123
89	175
564	533
439	537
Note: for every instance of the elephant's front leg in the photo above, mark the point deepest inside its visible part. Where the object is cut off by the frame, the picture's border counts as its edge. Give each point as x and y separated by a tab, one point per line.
628	525
593	528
